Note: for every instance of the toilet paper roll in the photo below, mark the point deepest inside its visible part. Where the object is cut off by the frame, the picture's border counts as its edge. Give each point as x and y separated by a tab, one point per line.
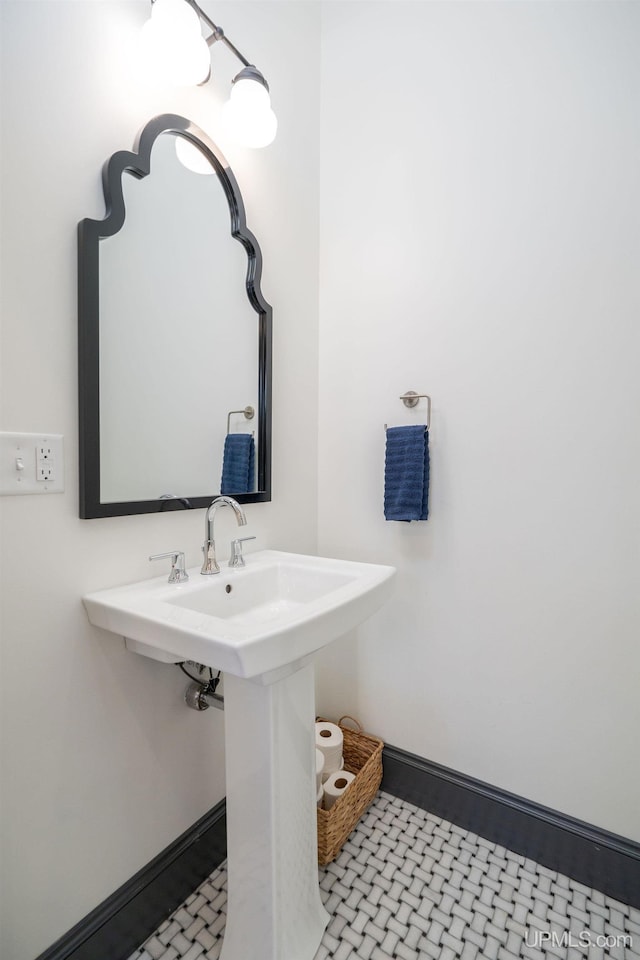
336	786
319	796
327	773
329	741
319	768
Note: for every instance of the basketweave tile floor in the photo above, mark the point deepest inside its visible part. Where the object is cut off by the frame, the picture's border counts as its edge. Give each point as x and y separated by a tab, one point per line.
409	885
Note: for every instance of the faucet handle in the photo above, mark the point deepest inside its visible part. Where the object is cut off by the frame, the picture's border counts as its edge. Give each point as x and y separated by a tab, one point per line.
236	559
178	573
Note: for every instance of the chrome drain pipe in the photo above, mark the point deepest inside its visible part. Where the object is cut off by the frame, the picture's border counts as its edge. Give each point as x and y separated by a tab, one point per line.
199	697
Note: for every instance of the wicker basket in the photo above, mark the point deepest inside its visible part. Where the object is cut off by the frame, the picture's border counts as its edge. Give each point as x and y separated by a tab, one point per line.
363	756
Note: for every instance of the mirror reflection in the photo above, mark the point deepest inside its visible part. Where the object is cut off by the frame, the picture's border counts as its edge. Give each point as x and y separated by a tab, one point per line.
182	337
178	337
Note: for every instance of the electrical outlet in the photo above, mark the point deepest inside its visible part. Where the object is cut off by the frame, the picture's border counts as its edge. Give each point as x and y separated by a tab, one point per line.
31	463
44	451
44	471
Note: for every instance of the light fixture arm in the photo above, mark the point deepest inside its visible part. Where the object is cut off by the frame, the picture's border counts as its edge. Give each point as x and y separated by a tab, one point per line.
217	33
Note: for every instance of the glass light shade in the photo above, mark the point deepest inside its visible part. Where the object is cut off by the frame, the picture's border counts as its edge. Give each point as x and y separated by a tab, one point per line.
251	94
192	158
176	16
248	116
173	50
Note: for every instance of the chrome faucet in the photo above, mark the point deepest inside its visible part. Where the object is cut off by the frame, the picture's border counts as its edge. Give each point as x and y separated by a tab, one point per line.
210	564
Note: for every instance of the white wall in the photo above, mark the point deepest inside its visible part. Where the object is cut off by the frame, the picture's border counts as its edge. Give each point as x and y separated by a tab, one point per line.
480	203
102	764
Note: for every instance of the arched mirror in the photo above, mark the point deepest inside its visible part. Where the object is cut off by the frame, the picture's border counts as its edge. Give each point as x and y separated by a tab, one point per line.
174	333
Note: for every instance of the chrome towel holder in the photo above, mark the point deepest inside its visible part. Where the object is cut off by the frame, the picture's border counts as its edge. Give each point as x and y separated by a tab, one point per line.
248	412
410	399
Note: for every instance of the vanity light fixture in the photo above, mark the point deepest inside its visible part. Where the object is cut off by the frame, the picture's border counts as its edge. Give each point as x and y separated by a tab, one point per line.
175	51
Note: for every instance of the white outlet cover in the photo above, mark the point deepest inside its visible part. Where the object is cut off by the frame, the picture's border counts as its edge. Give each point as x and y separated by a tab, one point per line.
26	456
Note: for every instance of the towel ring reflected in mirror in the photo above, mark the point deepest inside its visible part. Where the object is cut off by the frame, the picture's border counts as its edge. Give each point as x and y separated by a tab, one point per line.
248	412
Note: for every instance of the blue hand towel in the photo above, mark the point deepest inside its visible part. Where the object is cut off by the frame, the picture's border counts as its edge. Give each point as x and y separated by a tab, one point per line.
238	463
406	473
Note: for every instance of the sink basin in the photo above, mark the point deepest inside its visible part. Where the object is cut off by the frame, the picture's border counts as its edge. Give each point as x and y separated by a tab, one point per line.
246	621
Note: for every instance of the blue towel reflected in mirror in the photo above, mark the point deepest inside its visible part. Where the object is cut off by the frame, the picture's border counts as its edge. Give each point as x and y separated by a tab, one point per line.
238	464
406	473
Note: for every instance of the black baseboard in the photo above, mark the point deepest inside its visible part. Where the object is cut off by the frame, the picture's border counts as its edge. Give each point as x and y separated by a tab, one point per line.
591	856
125	919
594	857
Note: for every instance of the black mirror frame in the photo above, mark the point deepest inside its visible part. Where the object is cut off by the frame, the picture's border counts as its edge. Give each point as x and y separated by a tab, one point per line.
90	232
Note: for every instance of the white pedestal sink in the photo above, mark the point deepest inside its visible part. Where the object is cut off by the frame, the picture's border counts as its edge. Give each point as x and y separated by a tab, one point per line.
261	625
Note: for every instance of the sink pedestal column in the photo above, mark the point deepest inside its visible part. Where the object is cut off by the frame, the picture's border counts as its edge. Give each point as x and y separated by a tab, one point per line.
274	911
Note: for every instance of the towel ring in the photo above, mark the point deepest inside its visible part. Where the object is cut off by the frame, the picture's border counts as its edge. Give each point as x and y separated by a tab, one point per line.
410	399
249	414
